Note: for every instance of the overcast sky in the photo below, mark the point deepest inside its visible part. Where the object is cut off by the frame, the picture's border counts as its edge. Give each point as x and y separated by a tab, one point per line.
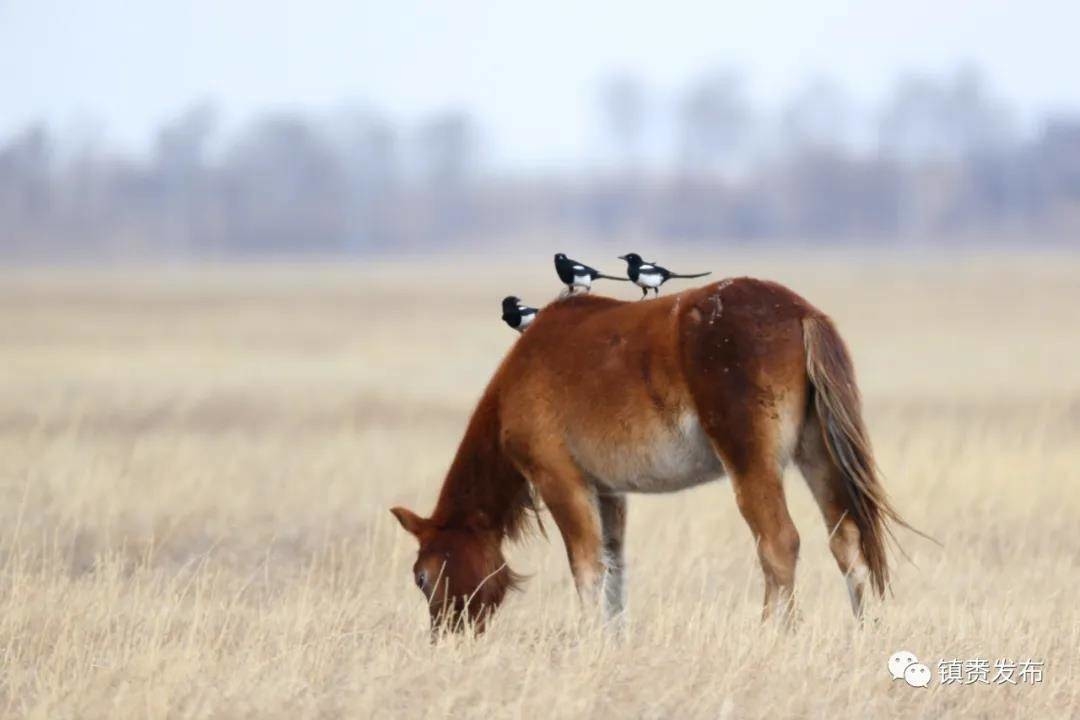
529	71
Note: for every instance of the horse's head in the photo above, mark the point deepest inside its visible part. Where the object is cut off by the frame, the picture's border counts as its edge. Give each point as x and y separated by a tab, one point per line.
460	570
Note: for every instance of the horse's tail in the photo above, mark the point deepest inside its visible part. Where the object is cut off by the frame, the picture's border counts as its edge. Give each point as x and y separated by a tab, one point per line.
836	400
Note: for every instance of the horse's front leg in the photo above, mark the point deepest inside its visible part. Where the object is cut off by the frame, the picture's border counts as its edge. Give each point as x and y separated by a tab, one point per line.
576	509
577	515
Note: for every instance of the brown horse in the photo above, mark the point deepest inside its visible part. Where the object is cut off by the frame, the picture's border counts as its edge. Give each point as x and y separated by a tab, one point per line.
600	398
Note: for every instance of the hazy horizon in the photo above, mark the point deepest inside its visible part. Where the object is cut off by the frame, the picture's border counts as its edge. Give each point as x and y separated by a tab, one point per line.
115	72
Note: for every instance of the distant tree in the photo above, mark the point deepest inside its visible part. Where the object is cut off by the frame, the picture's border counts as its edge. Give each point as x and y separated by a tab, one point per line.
448	153
946	132
448	150
1058	148
368	147
183	142
185	203
285	189
25	190
1053	164
25	161
367	144
624	105
714	120
816	118
375	154
955	117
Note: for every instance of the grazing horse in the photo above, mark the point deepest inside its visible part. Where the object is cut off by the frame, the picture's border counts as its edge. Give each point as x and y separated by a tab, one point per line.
600	398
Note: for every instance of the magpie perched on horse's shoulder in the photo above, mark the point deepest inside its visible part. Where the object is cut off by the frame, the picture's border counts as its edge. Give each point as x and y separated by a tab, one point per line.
575	274
650	276
517	315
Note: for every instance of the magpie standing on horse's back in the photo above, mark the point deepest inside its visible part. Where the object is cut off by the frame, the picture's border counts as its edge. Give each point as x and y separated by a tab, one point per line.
517	315
575	274
650	276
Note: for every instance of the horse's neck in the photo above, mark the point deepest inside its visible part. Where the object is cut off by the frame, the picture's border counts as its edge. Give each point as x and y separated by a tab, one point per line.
482	483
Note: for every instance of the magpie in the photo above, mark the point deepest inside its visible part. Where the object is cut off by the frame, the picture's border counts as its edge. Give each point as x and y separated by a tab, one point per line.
575	274
650	276
516	315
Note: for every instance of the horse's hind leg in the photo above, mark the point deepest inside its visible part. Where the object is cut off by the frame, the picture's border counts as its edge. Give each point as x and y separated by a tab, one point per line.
754	447
613	520
759	492
826	483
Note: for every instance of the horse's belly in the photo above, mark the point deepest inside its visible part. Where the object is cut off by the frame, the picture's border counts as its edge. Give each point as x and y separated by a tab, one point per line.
656	458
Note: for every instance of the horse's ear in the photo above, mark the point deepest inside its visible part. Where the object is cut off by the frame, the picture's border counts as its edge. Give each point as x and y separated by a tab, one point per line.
409	520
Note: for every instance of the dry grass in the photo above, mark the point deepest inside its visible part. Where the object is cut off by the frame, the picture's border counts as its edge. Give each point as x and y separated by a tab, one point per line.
197	466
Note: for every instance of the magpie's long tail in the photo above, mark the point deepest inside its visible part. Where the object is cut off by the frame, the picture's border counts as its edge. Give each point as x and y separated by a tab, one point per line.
687	277
609	277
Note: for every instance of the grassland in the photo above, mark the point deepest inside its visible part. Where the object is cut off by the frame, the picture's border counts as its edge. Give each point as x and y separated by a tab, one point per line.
195	468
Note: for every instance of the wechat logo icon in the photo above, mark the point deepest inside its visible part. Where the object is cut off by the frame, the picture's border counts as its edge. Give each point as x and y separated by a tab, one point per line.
903	665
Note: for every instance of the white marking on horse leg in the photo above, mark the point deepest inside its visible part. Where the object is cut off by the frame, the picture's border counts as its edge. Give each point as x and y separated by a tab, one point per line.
844	544
856	579
783	605
589	583
614	588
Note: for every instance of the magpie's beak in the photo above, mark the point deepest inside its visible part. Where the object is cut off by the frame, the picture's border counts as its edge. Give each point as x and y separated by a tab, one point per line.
622	257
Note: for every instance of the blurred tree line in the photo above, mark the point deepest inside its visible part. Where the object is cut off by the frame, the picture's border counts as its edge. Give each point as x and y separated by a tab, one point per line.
942	160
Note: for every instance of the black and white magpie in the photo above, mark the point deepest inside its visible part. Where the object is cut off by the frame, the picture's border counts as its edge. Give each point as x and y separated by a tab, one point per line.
575	274
517	315
650	276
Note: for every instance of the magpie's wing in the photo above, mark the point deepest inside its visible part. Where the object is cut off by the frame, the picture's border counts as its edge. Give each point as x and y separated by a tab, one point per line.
583	269
569	268
654	269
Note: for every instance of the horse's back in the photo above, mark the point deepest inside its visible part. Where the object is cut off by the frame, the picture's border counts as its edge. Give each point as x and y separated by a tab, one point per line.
638	391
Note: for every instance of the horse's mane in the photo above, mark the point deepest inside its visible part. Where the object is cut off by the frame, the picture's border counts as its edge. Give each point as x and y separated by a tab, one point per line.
483	482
